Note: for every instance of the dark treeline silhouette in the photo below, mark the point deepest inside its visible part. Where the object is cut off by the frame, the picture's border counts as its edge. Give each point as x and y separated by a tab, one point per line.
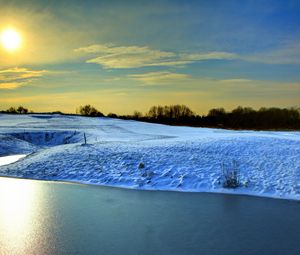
23	110
175	112
246	117
86	110
19	110
239	118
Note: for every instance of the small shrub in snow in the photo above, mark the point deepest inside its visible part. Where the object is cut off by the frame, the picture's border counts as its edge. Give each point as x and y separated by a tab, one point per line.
246	183
147	175
141	165
231	178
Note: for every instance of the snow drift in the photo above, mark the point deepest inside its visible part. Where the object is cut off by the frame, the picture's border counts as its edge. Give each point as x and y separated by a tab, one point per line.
150	156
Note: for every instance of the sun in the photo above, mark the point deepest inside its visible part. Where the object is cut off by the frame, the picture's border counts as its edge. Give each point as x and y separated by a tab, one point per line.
11	40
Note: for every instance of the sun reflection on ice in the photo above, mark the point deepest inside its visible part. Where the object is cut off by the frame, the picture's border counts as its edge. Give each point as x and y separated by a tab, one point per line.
18	204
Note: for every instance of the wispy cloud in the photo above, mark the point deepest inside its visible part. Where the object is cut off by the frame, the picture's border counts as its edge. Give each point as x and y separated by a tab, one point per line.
152	78
167	77
235	80
242	87
14	78
110	56
289	53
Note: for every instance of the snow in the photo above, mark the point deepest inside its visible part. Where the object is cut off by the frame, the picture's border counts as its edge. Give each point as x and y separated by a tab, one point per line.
174	158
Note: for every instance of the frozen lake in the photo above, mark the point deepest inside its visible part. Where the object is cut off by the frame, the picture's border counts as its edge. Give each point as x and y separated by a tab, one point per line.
39	217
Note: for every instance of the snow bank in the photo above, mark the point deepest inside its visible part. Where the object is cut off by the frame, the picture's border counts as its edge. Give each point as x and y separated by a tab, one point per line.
48	138
174	158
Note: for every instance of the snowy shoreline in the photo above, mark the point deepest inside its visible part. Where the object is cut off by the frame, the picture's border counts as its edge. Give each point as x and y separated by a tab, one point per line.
221	191
180	159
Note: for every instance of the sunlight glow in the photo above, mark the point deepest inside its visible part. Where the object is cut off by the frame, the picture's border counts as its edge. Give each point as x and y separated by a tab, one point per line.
11	40
17	212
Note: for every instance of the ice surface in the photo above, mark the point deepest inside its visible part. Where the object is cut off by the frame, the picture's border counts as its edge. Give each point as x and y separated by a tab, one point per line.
10	159
174	158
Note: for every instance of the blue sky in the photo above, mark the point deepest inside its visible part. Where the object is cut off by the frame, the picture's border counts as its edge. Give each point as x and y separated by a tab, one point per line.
127	55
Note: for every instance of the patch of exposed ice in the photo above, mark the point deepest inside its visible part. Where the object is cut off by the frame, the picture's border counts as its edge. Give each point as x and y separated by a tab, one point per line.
10	159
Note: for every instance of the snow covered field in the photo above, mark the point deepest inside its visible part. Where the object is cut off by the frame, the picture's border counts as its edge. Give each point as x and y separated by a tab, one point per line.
149	156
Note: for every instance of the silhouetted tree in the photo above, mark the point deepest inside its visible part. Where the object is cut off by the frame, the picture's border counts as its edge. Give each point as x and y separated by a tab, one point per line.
88	110
216	117
137	115
22	110
152	112
11	110
169	112
112	115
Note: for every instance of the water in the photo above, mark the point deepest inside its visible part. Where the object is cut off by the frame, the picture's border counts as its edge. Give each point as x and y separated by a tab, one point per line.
39	217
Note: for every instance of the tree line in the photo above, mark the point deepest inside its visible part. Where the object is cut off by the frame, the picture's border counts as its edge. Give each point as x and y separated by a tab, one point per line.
18	110
239	118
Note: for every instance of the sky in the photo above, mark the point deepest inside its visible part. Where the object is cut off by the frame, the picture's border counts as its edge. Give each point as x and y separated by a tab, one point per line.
121	56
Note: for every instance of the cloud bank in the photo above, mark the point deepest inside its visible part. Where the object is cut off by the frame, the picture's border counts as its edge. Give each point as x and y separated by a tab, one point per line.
14	78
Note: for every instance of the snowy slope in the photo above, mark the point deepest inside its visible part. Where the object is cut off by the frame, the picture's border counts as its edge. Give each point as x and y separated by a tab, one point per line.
174	158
